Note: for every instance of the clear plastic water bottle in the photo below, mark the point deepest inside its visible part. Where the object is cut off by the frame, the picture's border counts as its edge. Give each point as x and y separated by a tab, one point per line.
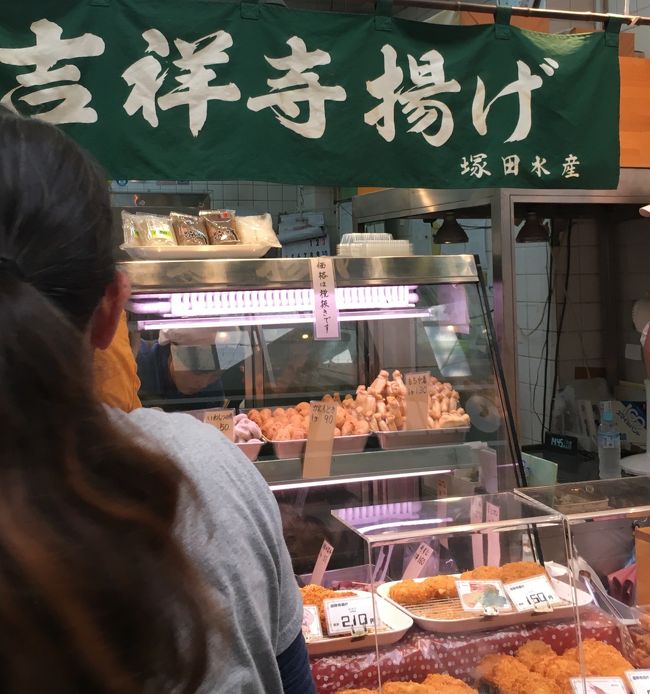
609	443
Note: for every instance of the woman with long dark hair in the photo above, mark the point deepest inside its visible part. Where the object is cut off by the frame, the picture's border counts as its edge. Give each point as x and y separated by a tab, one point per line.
139	553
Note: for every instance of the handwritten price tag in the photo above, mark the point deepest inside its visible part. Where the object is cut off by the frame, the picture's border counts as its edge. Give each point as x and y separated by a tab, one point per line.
599	685
534	594
320	440
417	399
349	615
441	488
311	628
222	420
322	561
640	681
418	561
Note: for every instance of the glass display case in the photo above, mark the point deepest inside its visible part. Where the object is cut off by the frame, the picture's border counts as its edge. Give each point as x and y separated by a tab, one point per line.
213	334
454	588
609	526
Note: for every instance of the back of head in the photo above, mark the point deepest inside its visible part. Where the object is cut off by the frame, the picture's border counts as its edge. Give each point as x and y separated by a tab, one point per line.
96	595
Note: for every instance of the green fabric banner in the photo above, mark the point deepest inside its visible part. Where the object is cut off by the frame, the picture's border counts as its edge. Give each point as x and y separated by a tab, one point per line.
159	89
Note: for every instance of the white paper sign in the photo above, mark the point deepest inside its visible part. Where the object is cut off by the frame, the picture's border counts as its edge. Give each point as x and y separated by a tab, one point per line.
476	516
326	314
323	560
349	615
488	597
598	685
222	420
311	628
640	681
534	594
492	515
418	561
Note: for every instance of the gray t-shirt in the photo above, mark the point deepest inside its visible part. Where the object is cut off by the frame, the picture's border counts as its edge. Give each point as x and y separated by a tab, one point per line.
237	540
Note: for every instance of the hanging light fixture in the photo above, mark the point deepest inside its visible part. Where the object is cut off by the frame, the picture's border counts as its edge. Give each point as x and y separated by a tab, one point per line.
450	231
532	230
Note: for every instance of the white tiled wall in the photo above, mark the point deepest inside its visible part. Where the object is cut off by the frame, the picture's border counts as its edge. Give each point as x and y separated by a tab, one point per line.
244	196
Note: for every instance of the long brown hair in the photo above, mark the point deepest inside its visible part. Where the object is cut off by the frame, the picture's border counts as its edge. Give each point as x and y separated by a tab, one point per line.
96	593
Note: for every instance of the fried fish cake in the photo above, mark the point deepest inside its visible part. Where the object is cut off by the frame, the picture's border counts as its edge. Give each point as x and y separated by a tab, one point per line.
533	651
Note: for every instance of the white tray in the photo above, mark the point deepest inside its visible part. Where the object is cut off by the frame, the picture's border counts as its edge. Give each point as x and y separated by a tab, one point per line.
397	621
226	250
342	444
473	623
391	440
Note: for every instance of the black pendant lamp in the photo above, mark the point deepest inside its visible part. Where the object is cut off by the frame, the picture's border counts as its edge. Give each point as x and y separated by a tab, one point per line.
532	231
450	231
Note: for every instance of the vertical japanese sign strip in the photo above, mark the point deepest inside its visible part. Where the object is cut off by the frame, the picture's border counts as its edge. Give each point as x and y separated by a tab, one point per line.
326	315
196	90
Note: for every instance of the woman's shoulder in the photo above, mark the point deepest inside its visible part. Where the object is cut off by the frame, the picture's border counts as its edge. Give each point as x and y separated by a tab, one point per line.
206	456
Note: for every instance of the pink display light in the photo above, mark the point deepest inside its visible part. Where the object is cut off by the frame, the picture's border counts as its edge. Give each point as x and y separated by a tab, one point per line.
270	301
275	319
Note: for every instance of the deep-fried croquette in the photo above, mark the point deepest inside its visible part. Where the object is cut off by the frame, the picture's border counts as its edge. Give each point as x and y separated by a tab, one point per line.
445	684
532	651
482	573
518	570
561	669
531	683
410	592
504	672
601	659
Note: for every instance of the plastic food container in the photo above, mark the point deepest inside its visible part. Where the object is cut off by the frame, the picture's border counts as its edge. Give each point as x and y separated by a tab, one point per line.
342	445
250	449
447	617
421	438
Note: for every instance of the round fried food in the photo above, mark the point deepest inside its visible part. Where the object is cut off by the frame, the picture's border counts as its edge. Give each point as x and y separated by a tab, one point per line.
533	651
518	570
448	685
404	688
482	573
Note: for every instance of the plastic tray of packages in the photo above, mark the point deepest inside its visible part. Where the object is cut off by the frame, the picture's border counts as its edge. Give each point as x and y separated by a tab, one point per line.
395	624
460	621
375	249
295	448
421	438
229	249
